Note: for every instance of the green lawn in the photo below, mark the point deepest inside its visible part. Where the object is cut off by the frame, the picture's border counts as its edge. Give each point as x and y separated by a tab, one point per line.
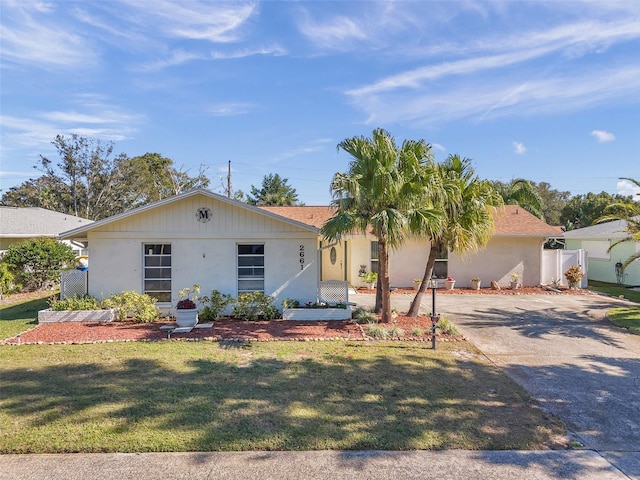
614	290
206	396
21	316
628	318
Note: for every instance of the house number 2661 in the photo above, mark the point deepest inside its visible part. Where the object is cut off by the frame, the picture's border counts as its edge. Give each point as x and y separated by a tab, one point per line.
301	257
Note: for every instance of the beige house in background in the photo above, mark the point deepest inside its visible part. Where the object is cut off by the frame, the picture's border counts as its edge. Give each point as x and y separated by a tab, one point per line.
22	223
516	247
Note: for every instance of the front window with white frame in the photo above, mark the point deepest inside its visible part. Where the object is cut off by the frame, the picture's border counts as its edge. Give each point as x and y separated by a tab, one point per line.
250	268
157	271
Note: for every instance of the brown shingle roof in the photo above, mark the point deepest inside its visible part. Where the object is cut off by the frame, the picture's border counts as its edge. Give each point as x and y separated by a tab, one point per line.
511	220
315	216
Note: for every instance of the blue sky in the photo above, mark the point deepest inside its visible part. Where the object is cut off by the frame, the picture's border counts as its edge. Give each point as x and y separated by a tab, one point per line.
548	91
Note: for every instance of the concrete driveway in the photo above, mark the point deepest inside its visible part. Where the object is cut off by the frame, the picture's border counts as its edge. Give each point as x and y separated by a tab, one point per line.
563	351
571	359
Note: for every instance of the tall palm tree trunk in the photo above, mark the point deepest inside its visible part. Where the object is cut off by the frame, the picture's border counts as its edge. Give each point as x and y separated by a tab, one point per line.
414	310
383	274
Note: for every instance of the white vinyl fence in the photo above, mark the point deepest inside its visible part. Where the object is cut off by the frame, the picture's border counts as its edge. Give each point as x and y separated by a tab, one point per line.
556	262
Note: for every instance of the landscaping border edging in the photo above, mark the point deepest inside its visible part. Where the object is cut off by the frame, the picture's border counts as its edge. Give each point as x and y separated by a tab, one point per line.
316	314
51	316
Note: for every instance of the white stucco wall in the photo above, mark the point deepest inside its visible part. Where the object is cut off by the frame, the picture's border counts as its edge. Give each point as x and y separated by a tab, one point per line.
203	253
501	257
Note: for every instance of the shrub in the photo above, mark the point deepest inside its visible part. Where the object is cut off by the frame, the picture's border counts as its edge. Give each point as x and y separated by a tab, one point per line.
416	331
214	305
84	302
35	261
365	316
377	331
253	305
396	332
446	327
7	284
139	307
290	303
574	275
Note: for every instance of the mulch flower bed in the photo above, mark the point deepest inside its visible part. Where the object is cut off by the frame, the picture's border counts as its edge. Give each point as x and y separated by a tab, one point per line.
239	330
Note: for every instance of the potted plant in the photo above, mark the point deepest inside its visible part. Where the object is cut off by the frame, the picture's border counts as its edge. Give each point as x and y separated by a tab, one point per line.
370	279
475	283
186	311
514	280
449	283
574	275
416	283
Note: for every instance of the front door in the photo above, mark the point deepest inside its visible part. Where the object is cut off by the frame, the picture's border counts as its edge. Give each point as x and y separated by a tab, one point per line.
333	262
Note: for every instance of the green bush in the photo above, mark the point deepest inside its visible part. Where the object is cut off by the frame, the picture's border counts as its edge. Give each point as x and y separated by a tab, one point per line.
84	302
136	306
214	305
35	262
7	284
364	316
254	305
377	331
290	303
446	327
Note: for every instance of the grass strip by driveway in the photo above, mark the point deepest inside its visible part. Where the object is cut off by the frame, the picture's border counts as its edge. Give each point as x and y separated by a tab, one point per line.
628	318
205	396
614	290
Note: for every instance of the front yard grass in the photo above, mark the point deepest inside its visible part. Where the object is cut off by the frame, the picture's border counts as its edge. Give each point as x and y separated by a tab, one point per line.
206	396
22	315
628	318
614	290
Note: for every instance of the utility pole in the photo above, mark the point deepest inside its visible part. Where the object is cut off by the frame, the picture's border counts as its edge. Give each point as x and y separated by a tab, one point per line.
229	180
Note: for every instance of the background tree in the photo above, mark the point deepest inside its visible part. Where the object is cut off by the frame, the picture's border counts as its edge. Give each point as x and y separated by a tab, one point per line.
34	262
521	192
553	201
585	210
379	193
629	212
92	183
274	192
467	203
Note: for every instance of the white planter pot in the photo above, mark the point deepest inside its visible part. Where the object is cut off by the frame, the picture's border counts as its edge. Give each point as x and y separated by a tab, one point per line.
449	284
187	318
475	284
51	316
316	314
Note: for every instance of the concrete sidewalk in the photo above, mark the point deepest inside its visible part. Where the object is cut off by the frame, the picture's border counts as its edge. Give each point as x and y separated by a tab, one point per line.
373	465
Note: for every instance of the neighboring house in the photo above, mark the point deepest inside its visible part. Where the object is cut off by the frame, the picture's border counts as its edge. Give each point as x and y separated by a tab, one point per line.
18	224
516	247
596	240
202	238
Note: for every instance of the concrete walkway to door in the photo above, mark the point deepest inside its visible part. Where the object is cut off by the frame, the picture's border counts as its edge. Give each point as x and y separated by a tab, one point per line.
564	352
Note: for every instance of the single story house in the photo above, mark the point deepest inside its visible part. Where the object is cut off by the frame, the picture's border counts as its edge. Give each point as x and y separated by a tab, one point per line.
604	265
515	247
18	224
203	238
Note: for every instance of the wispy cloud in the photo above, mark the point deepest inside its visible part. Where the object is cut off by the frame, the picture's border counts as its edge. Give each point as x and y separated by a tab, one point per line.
332	33
215	22
315	146
493	98
603	136
229	109
32	36
519	148
274	50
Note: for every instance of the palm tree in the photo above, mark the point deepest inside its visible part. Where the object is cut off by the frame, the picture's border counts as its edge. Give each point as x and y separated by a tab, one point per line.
630	213
378	194
521	192
466	203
